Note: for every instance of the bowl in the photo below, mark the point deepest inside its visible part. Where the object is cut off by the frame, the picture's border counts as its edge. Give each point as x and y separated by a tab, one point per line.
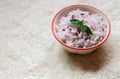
91	10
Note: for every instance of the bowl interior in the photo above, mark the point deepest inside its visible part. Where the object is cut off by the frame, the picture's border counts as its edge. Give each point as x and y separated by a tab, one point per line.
90	9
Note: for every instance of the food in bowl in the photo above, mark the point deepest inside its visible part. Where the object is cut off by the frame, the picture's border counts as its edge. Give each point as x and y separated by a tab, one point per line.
81	29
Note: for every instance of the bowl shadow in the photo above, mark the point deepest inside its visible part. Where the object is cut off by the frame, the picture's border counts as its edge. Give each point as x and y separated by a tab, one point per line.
90	62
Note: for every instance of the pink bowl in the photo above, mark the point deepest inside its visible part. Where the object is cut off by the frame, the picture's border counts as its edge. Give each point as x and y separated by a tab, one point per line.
89	8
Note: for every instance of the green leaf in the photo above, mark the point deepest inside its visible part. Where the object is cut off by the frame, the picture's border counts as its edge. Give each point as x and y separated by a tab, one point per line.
80	24
75	22
87	29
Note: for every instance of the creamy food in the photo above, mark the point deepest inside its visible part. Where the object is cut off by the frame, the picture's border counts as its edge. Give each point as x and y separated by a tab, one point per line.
74	36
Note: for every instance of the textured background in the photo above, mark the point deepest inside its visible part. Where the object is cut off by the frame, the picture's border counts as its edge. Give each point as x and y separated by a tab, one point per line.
28	49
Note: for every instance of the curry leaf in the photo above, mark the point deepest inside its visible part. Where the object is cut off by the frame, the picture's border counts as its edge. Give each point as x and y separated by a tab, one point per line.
87	29
75	22
80	24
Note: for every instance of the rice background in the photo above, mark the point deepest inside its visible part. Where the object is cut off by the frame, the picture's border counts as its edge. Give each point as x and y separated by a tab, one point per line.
28	49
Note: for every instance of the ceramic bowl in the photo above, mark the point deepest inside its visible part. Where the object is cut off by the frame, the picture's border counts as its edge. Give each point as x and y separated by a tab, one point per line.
84	7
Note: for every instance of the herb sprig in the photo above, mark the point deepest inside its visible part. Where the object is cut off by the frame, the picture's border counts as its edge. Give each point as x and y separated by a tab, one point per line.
81	25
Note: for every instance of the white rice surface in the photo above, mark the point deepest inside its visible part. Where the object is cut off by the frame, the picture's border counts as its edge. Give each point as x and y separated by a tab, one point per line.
73	36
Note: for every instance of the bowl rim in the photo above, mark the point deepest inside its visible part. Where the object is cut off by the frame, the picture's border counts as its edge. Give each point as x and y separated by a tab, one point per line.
75	48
